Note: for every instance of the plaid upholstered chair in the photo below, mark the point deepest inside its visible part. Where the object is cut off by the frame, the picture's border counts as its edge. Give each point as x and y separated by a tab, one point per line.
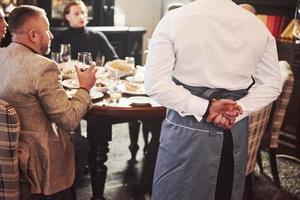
9	135
257	126
271	138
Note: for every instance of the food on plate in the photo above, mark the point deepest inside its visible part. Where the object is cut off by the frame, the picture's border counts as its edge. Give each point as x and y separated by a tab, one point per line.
131	86
68	71
120	65
100	84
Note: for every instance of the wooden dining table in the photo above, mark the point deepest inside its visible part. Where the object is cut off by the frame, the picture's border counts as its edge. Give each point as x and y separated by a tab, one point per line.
100	119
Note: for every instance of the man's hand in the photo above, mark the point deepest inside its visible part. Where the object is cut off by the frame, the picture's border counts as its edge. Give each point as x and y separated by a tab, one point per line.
223	113
87	78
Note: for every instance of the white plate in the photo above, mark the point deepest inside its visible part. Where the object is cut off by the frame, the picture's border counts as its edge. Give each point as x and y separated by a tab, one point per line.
96	94
141	100
71	83
135	79
100	89
140	91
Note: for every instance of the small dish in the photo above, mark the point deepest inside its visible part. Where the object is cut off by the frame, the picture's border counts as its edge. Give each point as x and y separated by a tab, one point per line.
140	100
96	94
133	88
135	79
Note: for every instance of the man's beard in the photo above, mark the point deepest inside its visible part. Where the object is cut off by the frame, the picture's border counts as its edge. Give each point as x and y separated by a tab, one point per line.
47	51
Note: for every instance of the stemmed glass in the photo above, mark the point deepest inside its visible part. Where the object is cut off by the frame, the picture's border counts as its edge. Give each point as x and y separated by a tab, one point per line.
296	30
84	60
65	52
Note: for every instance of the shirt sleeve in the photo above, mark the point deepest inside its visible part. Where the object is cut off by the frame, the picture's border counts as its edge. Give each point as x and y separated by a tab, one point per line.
159	72
268	81
106	48
64	112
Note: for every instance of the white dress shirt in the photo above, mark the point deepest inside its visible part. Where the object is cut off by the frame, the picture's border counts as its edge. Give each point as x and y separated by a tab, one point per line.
216	44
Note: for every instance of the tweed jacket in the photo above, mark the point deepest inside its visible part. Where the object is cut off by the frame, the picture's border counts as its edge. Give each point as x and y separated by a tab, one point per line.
31	84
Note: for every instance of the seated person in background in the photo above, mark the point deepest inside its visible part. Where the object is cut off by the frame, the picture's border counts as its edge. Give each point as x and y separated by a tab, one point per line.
31	83
3	24
81	39
248	7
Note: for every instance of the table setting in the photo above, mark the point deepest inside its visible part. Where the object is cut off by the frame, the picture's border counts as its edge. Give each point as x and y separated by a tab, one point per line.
119	82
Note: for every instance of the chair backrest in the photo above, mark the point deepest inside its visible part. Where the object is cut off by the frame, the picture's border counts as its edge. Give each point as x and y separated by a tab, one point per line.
271	138
9	136
257	127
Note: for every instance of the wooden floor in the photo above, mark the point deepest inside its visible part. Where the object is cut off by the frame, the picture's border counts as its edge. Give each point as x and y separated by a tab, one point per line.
123	175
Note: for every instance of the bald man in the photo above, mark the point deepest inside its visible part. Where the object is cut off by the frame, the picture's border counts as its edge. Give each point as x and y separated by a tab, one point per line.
31	83
248	7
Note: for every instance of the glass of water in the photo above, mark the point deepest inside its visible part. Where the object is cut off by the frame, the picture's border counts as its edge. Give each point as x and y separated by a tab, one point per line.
84	60
55	56
65	52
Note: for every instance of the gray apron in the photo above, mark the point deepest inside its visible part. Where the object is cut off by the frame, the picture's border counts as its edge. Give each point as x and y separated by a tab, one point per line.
189	153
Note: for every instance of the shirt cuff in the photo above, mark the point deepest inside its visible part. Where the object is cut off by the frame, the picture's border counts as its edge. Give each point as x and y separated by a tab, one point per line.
197	107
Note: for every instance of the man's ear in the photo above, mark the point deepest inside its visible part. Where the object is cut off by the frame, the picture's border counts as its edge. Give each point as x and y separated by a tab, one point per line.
33	35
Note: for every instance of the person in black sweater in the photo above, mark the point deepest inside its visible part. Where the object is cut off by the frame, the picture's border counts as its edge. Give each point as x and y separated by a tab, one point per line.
80	38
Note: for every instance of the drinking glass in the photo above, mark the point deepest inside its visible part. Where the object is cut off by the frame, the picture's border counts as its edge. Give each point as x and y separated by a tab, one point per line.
65	52
100	59
130	61
296	30
114	91
84	59
55	56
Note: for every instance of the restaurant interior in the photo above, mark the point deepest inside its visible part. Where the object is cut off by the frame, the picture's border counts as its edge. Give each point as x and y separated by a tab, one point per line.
123	127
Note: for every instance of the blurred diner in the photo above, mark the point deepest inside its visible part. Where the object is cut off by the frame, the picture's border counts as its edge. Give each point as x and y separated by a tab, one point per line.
79	37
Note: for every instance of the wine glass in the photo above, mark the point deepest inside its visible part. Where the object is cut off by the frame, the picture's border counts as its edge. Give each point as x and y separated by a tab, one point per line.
65	52
296	30
84	59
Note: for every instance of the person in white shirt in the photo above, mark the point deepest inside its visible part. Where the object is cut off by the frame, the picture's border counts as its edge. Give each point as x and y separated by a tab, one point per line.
211	63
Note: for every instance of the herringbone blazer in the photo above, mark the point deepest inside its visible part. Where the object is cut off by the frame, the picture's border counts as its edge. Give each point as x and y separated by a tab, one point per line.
31	84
